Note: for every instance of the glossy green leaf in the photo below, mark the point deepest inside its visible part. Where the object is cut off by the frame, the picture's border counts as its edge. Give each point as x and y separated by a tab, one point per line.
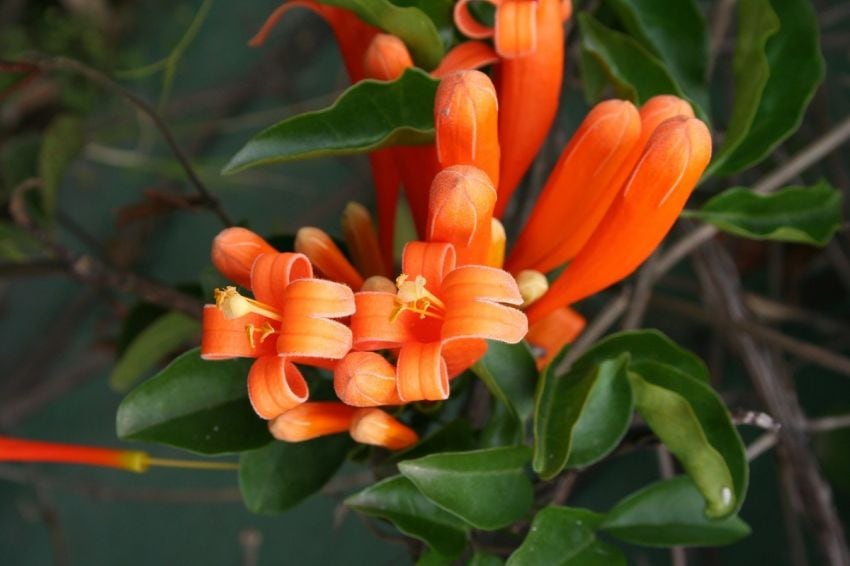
808	215
282	474
564	536
486	488
194	404
692	421
593	77
62	140
503	428
510	373
161	337
410	24
592	401
433	558
670	513
676	35
455	436
778	67
440	12
634	72
397	500
482	559
368	116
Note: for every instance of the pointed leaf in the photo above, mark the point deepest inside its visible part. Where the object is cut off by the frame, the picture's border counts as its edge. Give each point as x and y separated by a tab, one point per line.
455	436
194	404
62	140
670	513
692	421
778	67
440	12
510	373
486	488
676	36
634	72
594	402
564	536
397	500
282	474
368	116
161	337
808	215
410	24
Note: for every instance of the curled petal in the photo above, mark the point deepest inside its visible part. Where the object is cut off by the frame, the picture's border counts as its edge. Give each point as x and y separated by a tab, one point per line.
466	118
422	373
224	338
386	58
326	256
465	56
312	420
482	319
305	332
479	283
366	379
234	251
584	182
372	323
516	28
431	260
642	214
272	273
318	298
461	353
461	207
468	24
554	331
375	427
274	386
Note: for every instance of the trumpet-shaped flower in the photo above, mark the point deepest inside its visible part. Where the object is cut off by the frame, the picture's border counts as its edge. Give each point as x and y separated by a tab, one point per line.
289	319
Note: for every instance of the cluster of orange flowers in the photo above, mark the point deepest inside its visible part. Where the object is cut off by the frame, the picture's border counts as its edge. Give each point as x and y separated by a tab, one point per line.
614	193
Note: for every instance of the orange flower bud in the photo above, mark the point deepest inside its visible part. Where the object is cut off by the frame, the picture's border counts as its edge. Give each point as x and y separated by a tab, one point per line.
234	251
580	189
312	420
375	427
550	334
275	386
366	379
466	117
516	28
326	256
362	242
386	58
460	210
641	215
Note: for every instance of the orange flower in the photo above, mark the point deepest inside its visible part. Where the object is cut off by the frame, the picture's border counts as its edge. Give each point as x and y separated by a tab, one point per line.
439	318
288	303
675	157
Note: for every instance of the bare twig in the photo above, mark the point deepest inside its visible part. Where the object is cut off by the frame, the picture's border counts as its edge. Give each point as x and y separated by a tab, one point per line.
67	64
642	295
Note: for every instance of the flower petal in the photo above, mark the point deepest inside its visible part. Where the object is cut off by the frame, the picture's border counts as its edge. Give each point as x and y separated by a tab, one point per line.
461	353
272	273
422	373
431	260
468	24
326	256
366	379
274	386
375	427
554	331
224	338
516	28
372	323
482	319
478	282
465	56
305	332
311	420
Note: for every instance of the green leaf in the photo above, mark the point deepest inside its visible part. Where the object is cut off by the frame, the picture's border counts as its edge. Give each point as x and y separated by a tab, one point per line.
62	140
439	11
282	474
433	558
808	215
194	404
397	500
591	406
409	24
778	67
670	513
368	116
481	559
510	373
678	36
164	335
455	436
593	77
634	72
486	488
695	426
564	536
503	428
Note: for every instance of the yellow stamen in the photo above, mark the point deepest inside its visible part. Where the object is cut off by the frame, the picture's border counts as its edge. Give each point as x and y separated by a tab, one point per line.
266	331
233	305
413	296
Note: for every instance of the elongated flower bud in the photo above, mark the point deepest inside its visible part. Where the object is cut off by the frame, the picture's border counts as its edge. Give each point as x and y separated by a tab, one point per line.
375	427
362	242
326	256
234	251
386	58
641	215
312	420
580	189
462	200
550	334
466	118
529	88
